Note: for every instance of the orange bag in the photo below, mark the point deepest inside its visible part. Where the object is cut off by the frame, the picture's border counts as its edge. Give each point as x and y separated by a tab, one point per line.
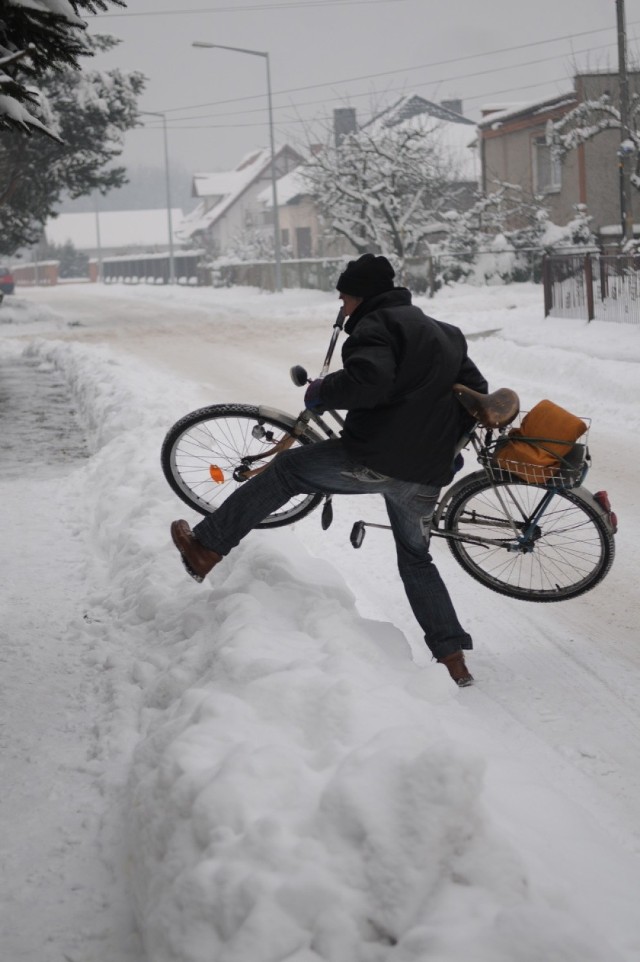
535	450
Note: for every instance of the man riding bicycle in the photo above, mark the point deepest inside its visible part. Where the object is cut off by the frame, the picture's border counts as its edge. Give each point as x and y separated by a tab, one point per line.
400	433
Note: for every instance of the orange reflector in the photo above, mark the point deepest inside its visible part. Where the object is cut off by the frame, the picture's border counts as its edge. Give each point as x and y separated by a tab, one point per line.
216	473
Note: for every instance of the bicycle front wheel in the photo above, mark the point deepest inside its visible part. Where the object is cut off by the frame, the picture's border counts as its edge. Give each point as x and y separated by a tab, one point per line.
568	551
204	452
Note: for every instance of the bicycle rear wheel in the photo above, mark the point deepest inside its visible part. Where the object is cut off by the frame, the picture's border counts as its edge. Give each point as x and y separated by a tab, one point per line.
570	550
202	453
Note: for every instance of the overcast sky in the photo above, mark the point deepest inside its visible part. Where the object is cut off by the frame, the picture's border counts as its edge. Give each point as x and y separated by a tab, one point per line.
331	53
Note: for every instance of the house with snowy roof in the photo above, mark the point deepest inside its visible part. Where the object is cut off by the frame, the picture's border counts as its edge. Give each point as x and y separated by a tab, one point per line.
514	148
454	133
228	207
300	228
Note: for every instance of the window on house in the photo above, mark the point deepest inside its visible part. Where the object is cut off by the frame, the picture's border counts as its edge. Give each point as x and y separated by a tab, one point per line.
303	241
548	168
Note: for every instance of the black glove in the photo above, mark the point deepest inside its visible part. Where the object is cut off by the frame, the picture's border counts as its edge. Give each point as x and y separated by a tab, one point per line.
312	396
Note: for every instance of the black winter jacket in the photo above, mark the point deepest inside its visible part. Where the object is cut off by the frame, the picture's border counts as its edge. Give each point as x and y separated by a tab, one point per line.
399	367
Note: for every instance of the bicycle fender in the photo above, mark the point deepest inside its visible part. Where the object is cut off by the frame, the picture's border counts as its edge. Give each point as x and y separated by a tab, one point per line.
269	412
452	492
589	499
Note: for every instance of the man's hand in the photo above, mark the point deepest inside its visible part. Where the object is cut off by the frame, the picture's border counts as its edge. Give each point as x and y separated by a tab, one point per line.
312	395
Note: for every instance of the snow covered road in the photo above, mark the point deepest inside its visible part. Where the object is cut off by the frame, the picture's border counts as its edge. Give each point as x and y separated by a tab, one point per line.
263	751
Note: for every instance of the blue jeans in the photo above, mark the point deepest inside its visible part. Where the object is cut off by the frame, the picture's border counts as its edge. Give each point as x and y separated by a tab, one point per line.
326	467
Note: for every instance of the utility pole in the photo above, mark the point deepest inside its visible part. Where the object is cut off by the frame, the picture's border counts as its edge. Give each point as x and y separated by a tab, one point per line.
625	151
98	243
167	183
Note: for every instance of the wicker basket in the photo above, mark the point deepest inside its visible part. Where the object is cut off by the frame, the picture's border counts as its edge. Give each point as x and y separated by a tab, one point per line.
559	471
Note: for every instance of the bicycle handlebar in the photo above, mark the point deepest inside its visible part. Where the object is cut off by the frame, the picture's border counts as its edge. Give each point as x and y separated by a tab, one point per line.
337	327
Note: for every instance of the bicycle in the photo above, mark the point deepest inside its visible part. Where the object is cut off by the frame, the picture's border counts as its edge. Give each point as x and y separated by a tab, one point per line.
518	531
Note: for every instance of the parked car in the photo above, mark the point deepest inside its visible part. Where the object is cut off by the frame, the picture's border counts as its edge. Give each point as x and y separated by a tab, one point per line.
7	283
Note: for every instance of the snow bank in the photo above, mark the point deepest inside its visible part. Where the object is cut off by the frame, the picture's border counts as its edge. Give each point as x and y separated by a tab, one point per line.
293	789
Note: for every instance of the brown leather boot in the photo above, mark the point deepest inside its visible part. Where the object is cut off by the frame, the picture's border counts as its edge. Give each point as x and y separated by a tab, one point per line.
457	669
197	559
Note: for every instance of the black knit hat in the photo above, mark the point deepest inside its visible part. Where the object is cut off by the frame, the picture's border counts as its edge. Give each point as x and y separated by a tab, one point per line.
367	276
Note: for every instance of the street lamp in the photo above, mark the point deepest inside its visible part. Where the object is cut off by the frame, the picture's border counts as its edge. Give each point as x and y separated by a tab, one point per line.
157	113
274	190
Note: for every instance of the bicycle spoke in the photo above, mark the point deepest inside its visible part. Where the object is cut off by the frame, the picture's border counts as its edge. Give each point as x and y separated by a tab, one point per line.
203	452
558	548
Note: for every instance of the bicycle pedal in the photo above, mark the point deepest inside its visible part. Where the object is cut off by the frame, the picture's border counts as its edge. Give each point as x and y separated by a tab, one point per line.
357	534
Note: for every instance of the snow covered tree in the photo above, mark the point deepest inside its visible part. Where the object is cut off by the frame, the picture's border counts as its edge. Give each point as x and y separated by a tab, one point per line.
383	187
251	245
505	219
89	113
589	119
72	262
35	36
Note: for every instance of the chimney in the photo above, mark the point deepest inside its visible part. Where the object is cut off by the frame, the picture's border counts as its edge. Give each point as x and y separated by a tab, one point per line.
344	123
455	105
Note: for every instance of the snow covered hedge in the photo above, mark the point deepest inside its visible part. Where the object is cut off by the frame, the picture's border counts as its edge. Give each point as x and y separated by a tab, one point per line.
502	238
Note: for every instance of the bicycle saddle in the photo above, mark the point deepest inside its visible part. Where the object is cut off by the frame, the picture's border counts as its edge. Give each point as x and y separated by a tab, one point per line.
494	410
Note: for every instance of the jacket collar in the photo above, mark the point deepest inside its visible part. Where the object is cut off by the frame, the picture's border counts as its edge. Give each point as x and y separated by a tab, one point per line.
398	297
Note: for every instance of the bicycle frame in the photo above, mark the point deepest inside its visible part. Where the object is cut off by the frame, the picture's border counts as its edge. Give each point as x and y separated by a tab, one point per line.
523	531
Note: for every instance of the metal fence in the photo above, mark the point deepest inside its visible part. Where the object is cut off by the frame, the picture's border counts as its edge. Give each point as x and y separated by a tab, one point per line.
148	268
193	267
593	286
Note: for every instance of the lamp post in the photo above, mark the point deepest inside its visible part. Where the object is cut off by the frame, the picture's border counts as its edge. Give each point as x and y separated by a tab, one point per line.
167	178
274	189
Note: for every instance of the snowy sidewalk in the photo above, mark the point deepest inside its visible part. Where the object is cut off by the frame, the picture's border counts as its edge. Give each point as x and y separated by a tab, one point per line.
58	891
